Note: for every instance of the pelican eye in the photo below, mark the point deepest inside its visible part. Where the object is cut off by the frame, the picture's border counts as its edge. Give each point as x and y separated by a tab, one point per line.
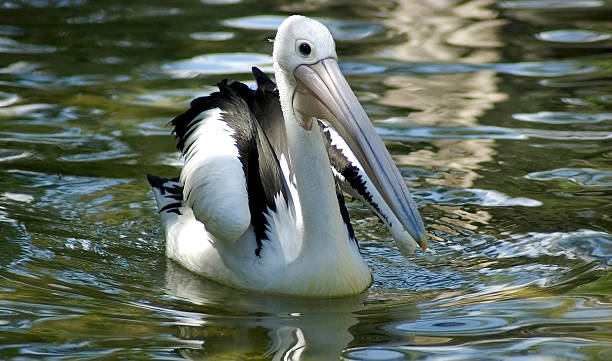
304	48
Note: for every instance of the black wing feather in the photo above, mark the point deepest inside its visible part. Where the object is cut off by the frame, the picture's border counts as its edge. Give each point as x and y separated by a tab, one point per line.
241	111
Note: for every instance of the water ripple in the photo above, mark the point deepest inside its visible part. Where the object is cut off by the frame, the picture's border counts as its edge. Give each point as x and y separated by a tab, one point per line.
552	68
562	117
7	99
10	30
222	63
550	4
163	98
212	36
120	13
378	354
483	197
258	22
543	68
8	45
19	4
584	244
20	67
117	149
31	110
486	132
53	81
576	36
221	2
544	348
341	30
455	326
586	177
11	155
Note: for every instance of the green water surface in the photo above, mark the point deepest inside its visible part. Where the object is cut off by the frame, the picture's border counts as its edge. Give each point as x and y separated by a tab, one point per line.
498	113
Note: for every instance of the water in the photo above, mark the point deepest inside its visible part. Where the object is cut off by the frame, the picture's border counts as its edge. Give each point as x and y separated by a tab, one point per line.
499	115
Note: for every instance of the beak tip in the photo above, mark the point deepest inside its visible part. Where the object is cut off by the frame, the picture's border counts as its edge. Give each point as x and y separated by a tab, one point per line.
423	245
422	242
421	238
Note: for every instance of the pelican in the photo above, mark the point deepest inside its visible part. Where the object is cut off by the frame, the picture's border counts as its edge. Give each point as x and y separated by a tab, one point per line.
259	203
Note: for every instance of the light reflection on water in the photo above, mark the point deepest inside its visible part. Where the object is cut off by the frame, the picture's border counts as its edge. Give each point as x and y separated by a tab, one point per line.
497	114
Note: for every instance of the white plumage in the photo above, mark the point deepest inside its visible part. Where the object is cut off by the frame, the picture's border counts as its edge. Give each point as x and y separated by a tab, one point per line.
213	179
257	204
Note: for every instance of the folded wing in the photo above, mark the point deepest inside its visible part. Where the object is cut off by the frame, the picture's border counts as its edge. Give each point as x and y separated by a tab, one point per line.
352	179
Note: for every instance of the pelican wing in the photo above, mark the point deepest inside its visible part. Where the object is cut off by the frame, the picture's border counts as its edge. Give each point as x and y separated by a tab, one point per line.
230	177
269	114
352	179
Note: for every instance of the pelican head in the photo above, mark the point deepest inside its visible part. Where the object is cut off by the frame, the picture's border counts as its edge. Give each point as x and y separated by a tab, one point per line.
300	41
311	85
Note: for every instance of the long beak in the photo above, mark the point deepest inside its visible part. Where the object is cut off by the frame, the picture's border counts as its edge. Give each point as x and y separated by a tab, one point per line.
325	81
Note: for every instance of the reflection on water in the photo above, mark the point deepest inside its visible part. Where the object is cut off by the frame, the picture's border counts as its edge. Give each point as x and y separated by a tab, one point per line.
497	113
293	328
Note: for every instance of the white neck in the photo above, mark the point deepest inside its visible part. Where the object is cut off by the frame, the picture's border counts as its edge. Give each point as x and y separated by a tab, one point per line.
328	262
323	227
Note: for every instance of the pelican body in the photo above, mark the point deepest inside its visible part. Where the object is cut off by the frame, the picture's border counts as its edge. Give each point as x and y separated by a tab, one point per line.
259	203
